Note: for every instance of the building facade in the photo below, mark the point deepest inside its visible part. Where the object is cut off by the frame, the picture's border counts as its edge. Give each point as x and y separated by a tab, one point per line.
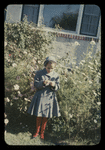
80	23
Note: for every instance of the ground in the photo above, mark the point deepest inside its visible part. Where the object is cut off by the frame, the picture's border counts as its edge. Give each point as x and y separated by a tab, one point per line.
20	129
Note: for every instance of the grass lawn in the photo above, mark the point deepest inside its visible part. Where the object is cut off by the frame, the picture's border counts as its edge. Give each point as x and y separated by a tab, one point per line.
19	131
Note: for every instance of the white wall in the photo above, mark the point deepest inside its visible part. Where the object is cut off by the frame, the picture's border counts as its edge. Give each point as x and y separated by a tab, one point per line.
63	45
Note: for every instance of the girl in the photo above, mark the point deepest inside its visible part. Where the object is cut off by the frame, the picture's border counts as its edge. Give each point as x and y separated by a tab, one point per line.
44	103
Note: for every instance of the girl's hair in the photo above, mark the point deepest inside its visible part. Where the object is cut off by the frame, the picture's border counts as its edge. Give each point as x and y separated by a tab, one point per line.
46	63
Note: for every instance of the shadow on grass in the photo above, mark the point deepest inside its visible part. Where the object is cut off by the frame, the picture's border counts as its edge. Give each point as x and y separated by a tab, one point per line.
25	123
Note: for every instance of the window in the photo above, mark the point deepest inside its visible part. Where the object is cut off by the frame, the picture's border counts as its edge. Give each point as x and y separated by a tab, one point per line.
64	15
78	20
32	12
90	20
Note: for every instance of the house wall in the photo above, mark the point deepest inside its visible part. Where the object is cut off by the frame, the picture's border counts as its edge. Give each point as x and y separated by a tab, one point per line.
64	45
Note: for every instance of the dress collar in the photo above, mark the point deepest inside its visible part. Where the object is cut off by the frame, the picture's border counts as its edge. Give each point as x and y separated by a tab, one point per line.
48	74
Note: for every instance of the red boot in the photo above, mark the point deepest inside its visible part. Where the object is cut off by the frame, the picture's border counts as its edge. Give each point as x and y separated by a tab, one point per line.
44	121
38	122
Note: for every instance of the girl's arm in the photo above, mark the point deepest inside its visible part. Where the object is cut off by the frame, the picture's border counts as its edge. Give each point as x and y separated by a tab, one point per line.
37	82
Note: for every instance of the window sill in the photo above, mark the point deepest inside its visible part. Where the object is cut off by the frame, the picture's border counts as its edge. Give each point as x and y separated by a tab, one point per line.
69	34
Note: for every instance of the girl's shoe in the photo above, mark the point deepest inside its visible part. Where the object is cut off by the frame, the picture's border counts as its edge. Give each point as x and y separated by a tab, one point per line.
35	135
42	136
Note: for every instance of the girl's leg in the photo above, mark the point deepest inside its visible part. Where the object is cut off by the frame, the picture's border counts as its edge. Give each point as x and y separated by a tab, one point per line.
38	122
44	121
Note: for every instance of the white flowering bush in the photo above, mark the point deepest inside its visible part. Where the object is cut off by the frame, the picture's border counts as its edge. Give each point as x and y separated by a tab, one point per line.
80	95
25	50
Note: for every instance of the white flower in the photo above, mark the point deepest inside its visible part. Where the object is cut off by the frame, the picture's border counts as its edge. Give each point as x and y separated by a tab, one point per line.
26	99
76	67
90	67
96	62
16	87
76	43
92	42
14	65
6	121
90	63
70	115
18	92
28	66
90	82
25	108
7	99
94	93
83	61
24	52
24	75
84	74
95	121
29	55
98	103
89	53
5	43
5	132
5	115
39	62
79	81
65	79
90	56
20	56
29	37
35	58
99	73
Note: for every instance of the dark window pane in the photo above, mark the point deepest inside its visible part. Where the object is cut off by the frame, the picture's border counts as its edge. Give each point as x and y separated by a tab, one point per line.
90	20
64	15
32	12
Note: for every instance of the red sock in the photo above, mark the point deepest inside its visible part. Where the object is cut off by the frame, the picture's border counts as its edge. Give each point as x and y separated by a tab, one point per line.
38	122
44	122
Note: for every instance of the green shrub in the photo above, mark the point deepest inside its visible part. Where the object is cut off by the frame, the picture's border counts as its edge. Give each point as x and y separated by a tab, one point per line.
79	97
25	50
80	93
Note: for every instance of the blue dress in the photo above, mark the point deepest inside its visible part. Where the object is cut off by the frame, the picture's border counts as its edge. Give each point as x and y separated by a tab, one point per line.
44	102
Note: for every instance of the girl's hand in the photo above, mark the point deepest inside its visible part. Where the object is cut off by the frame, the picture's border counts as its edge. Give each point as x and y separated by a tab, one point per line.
52	83
46	82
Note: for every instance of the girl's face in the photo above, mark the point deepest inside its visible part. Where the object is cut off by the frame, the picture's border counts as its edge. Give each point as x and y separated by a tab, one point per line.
50	67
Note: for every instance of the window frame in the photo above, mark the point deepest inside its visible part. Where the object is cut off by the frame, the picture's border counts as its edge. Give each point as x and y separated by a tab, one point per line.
91	24
78	26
